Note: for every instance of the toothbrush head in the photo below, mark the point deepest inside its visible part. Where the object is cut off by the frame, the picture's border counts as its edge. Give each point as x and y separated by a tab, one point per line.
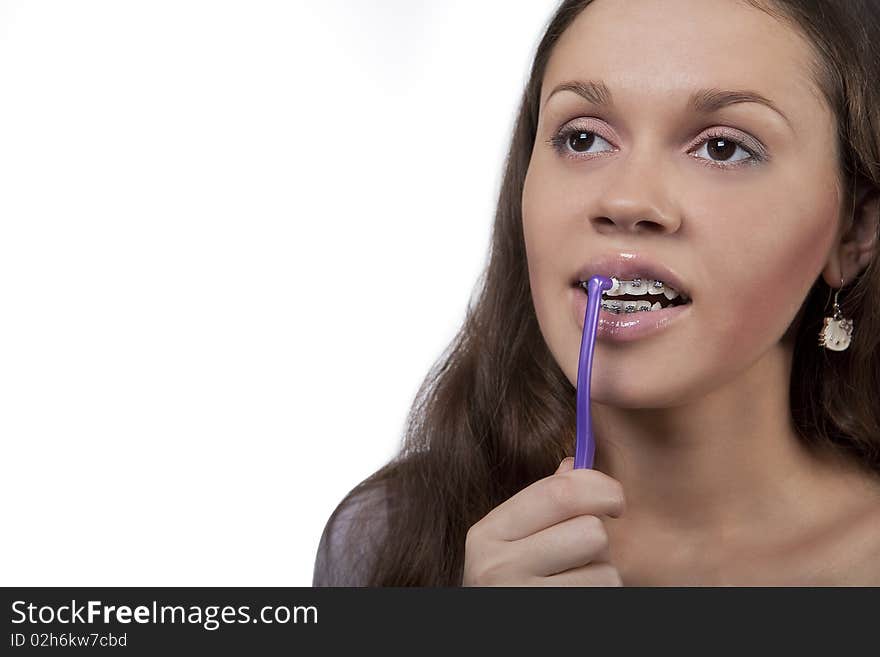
599	283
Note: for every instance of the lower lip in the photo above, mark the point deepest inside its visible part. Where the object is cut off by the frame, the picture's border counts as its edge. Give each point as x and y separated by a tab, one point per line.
627	327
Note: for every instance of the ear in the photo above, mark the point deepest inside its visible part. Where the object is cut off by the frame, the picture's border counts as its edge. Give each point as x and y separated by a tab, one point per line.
856	246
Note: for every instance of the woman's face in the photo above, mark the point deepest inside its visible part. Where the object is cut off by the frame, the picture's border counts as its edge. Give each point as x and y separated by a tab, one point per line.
747	226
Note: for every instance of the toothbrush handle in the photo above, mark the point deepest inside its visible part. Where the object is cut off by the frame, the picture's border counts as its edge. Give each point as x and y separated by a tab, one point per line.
585	445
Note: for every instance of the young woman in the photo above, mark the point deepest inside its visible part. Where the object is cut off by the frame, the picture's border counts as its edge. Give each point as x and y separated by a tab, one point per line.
729	149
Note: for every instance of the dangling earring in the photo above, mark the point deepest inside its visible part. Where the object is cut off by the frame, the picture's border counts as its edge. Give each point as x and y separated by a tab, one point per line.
837	331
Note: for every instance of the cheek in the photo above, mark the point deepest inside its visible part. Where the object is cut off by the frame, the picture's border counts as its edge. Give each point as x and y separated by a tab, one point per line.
541	230
544	233
765	265
538	237
552	217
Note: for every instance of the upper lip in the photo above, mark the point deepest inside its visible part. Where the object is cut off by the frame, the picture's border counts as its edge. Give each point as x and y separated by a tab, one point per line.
627	266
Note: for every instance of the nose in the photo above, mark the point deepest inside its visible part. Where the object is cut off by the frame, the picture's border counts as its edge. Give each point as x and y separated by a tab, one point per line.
636	200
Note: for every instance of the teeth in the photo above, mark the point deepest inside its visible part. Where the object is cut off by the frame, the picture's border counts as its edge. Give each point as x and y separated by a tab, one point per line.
638	286
618	307
635	286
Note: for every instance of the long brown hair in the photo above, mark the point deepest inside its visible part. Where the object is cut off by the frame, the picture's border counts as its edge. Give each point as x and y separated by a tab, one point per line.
496	413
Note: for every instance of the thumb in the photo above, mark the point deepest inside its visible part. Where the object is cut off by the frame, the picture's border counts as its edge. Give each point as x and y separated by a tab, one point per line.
566	465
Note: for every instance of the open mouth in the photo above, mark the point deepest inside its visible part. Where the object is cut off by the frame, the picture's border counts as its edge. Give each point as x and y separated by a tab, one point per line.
638	295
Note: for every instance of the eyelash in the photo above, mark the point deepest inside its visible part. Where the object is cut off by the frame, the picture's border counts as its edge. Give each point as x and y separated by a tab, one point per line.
559	141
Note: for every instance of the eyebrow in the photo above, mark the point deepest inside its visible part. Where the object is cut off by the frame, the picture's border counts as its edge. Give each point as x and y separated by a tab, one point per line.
703	101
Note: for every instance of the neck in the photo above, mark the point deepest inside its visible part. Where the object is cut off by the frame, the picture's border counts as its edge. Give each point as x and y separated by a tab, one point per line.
727	460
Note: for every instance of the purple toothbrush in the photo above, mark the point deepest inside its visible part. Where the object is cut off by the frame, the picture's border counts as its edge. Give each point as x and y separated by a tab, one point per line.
585	447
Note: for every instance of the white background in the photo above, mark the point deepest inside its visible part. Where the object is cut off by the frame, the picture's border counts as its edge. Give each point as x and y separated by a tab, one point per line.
234	237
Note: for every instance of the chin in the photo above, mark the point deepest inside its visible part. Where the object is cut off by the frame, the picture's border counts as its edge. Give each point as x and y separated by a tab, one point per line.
622	391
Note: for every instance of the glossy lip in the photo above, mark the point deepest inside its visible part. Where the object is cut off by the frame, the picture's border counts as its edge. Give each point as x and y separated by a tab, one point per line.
627	327
627	266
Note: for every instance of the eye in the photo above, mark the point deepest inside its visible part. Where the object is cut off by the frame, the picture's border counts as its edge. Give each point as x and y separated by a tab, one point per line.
574	142
720	147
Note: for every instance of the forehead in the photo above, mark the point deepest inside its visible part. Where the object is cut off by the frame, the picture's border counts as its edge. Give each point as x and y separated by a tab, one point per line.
657	51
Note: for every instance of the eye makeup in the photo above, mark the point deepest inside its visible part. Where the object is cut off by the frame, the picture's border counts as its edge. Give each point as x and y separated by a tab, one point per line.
753	149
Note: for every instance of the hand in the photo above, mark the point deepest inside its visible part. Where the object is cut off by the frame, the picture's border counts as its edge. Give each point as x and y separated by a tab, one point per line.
548	534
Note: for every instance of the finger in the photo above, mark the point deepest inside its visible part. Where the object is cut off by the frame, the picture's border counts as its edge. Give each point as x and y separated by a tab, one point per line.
554	499
603	555
594	574
565	465
569	544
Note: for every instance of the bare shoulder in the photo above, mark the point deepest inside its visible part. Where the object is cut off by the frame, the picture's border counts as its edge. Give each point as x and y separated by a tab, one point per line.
352	537
858	547
840	544
868	532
